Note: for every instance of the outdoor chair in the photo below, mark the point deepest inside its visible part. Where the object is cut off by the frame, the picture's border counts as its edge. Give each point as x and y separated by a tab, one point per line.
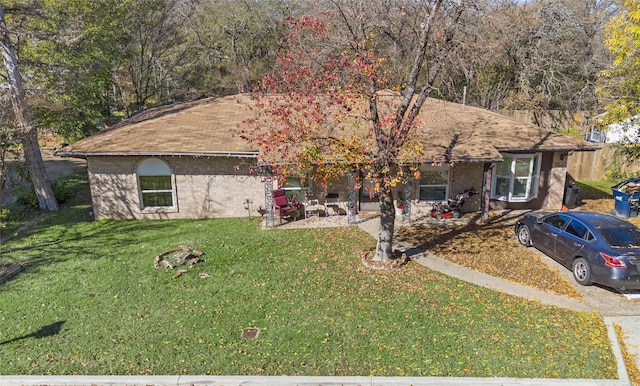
312	206
282	206
332	201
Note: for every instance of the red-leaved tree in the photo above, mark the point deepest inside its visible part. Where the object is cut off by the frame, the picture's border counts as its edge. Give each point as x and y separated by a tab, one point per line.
329	109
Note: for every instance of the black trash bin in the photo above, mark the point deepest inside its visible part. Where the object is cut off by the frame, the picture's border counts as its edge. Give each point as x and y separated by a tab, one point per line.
626	197
571	196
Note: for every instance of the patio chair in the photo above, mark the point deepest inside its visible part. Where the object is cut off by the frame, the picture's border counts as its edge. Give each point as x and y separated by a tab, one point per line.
332	200
282	206
312	206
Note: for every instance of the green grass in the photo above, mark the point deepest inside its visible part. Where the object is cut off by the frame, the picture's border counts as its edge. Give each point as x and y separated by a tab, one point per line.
594	190
91	302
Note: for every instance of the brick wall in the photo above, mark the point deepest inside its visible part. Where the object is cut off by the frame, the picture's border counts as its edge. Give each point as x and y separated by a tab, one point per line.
466	176
204	188
219	187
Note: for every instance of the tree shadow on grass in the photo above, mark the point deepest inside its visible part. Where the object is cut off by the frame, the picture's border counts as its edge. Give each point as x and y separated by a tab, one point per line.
97	241
427	235
44	332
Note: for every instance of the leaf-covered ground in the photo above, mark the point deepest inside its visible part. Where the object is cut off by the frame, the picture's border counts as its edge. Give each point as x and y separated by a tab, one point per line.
492	249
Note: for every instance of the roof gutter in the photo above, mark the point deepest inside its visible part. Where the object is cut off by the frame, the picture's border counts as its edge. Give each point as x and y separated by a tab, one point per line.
81	154
549	148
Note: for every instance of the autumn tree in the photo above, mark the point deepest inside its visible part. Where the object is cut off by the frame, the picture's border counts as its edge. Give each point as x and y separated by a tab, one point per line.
330	108
620	83
26	132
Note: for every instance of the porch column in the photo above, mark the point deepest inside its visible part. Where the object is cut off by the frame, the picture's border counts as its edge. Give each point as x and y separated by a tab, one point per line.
351	201
486	193
407	183
268	201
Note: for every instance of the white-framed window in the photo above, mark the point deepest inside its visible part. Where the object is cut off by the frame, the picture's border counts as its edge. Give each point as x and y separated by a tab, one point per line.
297	189
155	183
515	179
434	183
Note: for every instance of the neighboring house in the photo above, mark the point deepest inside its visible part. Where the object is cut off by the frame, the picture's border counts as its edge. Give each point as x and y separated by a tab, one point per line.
183	161
627	131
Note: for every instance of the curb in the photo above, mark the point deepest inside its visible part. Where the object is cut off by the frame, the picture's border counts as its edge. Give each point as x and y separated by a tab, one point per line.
191	380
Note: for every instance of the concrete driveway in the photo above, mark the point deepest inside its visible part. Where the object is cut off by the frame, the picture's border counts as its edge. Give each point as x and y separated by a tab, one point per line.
623	310
56	167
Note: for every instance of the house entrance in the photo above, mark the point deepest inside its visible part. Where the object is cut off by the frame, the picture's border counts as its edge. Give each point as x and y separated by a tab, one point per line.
367	201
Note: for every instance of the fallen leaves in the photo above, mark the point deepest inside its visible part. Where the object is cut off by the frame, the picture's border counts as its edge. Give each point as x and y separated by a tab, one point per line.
491	249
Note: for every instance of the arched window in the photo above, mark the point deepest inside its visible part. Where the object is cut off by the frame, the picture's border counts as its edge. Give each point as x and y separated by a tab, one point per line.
155	182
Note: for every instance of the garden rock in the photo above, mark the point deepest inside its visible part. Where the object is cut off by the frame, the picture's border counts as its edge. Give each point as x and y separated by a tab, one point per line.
179	256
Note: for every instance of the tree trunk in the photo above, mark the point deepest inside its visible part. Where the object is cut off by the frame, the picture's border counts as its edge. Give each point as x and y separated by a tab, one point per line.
384	248
35	165
3	169
26	131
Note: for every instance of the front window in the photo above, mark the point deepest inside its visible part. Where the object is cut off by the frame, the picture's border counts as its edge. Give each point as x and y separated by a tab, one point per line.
155	182
434	183
515	179
297	189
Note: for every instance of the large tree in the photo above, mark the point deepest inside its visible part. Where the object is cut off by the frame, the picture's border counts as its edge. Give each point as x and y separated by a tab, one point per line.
74	54
331	106
540	55
26	132
620	83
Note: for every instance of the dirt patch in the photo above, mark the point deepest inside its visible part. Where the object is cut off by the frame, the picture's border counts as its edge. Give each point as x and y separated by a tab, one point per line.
399	260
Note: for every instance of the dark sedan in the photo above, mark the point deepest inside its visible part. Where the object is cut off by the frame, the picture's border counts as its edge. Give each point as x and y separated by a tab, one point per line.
597	247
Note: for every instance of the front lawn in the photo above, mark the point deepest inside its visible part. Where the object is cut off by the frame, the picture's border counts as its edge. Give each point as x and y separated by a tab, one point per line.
91	302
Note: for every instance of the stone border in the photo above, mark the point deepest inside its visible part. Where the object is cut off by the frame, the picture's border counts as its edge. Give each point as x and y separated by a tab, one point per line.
399	261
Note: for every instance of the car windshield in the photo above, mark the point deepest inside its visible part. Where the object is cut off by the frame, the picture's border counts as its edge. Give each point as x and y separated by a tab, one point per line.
626	237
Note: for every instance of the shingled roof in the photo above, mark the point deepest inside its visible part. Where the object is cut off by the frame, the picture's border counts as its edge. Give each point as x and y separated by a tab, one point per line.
450	131
199	128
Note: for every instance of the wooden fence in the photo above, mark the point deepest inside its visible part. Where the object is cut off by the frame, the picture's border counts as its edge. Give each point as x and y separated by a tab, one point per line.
595	165
581	166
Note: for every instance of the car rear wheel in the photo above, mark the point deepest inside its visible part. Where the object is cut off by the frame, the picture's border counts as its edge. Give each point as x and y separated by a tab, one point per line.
582	271
524	235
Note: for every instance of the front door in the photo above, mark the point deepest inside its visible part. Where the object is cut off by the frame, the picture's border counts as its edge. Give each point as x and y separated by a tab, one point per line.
368	202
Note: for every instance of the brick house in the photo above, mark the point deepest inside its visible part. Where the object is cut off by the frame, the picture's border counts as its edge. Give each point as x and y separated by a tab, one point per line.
183	161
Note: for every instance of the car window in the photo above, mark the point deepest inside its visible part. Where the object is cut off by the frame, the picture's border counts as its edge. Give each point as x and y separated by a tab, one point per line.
621	237
557	221
577	229
590	237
